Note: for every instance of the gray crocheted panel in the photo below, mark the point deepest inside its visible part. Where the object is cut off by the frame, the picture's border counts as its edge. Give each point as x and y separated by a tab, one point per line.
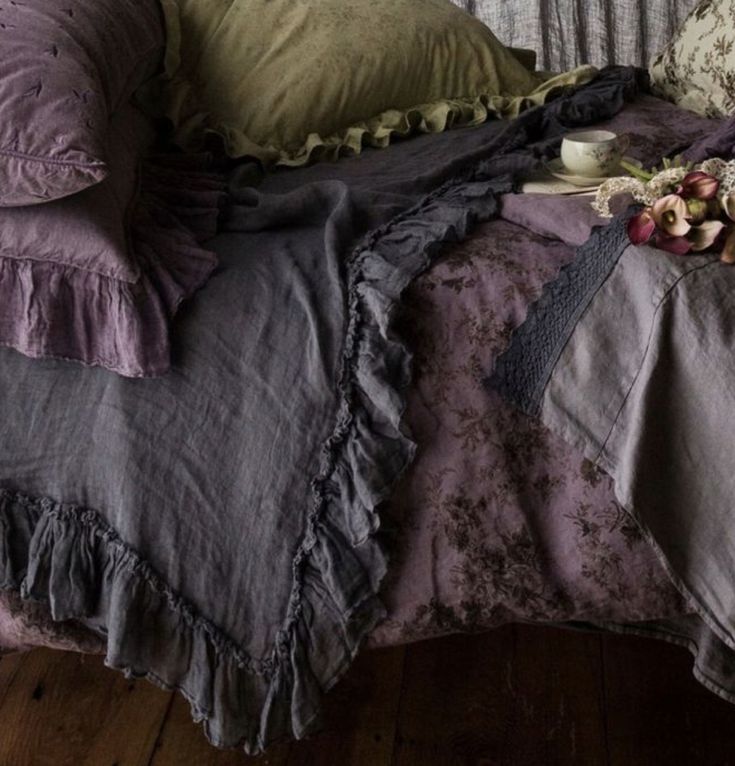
523	370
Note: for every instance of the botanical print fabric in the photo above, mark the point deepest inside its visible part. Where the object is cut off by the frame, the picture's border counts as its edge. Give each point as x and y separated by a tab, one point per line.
500	520
697	69
567	33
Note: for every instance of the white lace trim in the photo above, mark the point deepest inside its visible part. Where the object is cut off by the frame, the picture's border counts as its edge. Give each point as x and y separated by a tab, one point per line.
648	192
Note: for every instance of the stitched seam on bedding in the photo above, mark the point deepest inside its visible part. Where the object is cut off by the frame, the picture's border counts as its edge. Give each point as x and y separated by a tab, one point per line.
698	602
666	296
50	160
673	637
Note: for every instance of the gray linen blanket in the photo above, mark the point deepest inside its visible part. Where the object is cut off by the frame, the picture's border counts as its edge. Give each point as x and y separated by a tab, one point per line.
219	526
628	356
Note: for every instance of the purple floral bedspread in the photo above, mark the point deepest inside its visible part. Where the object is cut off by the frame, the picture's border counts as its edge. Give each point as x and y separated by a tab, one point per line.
497	520
500	520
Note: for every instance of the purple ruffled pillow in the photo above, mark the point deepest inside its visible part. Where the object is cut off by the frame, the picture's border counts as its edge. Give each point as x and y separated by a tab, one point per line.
65	67
97	277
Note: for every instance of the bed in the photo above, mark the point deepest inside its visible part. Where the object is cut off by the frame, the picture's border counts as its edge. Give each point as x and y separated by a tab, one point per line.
144	518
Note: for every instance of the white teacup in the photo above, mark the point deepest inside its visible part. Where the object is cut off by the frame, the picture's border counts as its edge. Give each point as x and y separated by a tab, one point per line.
593	153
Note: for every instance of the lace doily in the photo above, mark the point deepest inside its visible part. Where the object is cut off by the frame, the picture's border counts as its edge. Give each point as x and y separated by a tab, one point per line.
723	171
648	192
645	192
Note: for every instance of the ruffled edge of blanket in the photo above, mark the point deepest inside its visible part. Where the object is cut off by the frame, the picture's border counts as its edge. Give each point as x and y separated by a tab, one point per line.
70	558
96	320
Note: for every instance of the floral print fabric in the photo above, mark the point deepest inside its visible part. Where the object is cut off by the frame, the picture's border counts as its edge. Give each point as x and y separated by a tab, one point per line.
500	520
696	70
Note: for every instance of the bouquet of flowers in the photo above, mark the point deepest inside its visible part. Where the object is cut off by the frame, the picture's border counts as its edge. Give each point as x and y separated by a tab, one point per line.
688	209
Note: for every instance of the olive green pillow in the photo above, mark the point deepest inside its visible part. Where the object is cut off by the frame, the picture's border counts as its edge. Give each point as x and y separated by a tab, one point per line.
291	80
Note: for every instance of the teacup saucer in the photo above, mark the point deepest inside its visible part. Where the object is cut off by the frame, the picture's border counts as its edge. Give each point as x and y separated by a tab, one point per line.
558	170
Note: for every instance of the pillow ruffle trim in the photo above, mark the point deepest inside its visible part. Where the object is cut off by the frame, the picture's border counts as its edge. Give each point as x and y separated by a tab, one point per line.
50	310
378	132
170	96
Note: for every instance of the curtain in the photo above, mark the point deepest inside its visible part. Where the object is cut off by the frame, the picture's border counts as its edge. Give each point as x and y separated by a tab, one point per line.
566	33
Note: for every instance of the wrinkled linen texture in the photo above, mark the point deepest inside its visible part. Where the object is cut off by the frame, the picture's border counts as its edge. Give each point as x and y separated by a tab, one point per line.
219	525
496	519
567	33
626	356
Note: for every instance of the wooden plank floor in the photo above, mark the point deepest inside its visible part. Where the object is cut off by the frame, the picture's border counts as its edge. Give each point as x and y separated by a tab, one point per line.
519	696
